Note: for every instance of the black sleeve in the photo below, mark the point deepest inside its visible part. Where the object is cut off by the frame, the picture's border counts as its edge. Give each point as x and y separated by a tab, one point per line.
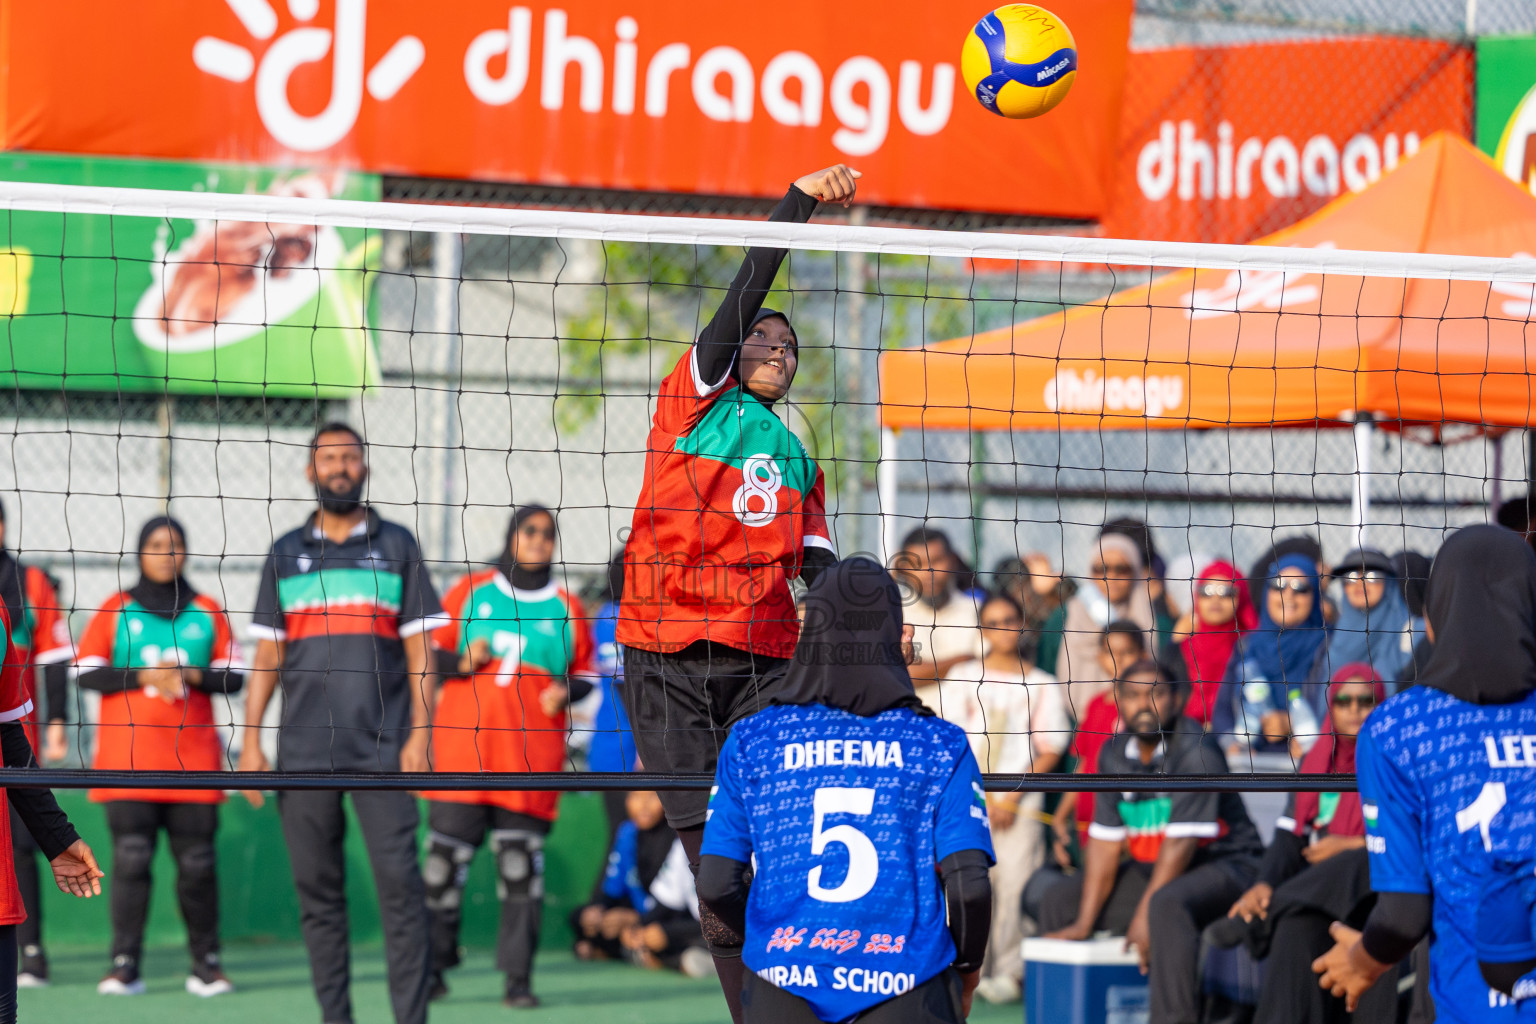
109	680
1283	859
1397	923
968	894
56	690
445	664
722	886
221	680
815	561
715	353
1502	977
579	687
36	808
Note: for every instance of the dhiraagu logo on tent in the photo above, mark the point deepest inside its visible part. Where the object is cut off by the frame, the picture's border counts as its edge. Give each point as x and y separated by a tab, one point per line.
1516	155
1506	104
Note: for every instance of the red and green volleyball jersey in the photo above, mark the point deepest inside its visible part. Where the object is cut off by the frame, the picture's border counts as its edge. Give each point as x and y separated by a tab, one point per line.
40	637
144	729
729	502
15	705
493	721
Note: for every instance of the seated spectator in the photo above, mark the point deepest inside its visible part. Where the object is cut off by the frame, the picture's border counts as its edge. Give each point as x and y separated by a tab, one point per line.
1117	590
1413	573
1016	721
1121	645
943	616
1035	584
1191	855
1274	675
628	920
1374	625
1164	611
1223	612
1314	873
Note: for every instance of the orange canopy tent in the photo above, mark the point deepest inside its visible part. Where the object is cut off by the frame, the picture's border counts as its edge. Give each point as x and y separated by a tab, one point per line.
1225	348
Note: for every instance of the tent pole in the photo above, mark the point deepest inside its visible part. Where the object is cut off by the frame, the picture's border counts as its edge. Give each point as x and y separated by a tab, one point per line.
885	487
1360	504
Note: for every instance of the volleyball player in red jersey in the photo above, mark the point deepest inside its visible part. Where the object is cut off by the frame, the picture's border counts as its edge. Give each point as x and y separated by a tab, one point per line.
74	866
731	508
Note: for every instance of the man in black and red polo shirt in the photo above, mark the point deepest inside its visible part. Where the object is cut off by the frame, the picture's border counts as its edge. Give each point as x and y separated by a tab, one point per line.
341	623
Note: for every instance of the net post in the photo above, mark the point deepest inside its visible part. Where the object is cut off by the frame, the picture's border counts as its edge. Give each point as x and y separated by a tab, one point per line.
1360	499
886	484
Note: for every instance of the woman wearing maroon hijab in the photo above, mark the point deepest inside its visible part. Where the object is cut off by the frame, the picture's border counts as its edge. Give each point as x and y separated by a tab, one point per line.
1314	873
1223	612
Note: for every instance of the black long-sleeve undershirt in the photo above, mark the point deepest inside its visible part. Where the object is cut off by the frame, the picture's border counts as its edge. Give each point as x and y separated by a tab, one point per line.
1397	923
715	354
56	691
967	892
37	808
1502	977
120	680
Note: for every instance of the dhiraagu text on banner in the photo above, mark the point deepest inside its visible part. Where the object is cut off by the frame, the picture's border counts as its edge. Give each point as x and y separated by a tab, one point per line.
97	303
1506	104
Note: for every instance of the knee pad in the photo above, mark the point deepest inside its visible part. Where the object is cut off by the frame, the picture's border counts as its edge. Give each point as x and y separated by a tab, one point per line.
132	855
196	861
519	864
721	938
446	870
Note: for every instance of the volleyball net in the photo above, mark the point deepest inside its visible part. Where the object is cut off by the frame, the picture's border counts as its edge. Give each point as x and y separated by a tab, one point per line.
981	405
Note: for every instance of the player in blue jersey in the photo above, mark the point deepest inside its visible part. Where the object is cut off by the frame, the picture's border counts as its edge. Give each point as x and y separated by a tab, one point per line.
1435	764
1506	933
865	817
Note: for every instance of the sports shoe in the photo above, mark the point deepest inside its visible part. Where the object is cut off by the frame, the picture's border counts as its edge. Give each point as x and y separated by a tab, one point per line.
520	996
998	989
697	963
122	980
1227	933
439	989
34	968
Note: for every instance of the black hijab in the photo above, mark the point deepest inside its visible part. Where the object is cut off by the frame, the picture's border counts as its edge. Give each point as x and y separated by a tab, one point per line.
523	579
849	655
164	599
1481	601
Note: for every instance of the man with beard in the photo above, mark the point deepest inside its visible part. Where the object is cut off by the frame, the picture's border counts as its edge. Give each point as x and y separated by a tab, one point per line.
1189	852
342	621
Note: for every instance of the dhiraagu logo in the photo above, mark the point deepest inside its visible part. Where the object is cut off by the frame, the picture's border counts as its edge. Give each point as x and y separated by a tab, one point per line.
1516	155
308	44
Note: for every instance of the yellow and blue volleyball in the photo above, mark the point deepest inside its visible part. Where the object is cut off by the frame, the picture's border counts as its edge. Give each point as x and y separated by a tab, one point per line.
1019	61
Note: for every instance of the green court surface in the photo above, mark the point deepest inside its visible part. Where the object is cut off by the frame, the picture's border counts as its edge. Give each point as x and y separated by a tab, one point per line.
273	985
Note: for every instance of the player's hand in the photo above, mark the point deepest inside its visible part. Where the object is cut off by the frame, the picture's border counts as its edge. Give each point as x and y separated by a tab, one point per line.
172	684
55	742
475	657
835	184
554	698
1275	726
415	756
909	649
1347	970
1139	935
253	760
1077	931
968	984
1330	846
1002	812
1254	903
76	872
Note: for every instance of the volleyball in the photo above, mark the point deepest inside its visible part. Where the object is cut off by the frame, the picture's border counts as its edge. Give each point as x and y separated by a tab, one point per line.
1019	61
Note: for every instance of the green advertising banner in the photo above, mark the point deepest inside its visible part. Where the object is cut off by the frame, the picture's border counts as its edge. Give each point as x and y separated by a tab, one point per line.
1506	104
100	303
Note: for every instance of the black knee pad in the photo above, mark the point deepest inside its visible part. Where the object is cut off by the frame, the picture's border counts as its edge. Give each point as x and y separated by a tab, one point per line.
519	864
721	938
131	855
446	870
196	861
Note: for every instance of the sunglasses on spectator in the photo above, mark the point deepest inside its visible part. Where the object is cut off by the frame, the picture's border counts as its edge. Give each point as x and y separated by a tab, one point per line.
1217	590
1294	586
1365	576
1361	701
1120	570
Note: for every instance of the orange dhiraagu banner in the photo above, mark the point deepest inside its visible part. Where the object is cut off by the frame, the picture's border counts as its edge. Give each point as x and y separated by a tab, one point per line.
1228	143
629	94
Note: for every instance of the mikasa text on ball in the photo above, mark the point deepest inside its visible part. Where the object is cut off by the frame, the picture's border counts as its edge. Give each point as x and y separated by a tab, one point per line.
1019	61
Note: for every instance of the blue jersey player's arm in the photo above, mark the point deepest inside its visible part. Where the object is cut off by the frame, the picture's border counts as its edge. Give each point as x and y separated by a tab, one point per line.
726	852
1506	940
962	841
1393	808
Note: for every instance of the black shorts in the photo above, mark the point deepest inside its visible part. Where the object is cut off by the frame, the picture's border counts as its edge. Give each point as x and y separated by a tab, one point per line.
681	705
935	1001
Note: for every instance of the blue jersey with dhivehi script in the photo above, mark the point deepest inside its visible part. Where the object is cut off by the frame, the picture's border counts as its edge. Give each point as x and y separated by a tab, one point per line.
846	817
1437	779
1505	816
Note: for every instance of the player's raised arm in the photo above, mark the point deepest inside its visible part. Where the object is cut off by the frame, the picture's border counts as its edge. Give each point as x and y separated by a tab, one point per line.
718	343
